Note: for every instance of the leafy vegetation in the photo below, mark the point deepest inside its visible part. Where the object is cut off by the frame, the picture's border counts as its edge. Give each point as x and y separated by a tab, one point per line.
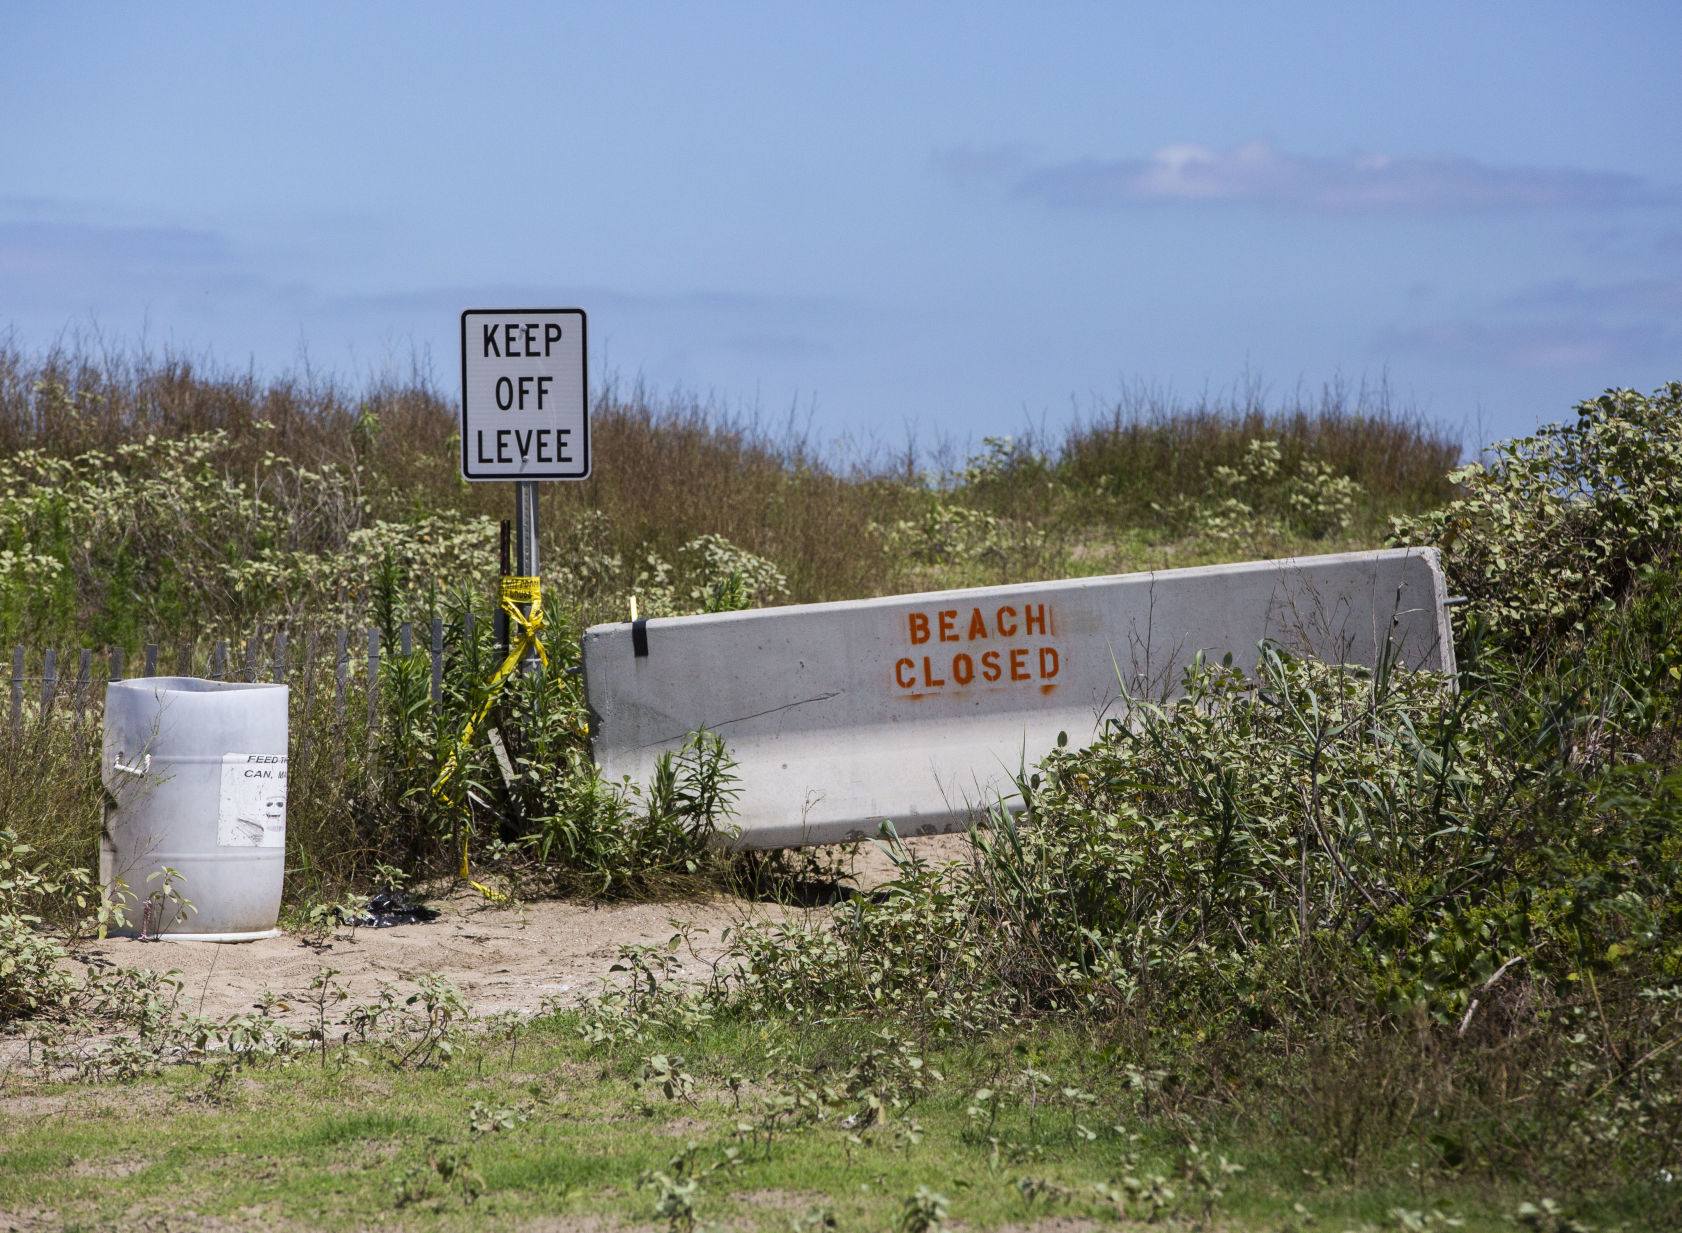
411	1120
1394	949
1353	904
146	501
1554	535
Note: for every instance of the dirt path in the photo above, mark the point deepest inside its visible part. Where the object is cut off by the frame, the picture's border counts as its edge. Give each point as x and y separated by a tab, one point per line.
501	958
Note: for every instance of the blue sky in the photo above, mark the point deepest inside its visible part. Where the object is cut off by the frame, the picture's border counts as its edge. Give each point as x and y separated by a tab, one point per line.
961	217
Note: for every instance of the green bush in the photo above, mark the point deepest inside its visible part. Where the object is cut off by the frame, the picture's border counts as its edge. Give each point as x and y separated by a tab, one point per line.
1558	528
1299	895
32	980
1170	863
1365	909
1258	498
521	796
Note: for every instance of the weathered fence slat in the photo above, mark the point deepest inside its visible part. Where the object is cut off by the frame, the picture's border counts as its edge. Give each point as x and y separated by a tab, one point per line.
242	659
309	667
373	683
437	665
84	676
341	665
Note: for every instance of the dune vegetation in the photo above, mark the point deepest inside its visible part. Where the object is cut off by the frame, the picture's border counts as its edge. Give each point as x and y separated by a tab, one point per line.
1312	945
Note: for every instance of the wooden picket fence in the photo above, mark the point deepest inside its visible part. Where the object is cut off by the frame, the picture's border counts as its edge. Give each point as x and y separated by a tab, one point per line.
72	685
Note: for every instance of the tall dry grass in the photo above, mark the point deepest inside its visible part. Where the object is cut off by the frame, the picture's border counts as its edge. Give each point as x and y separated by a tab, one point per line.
663	474
1154	448
666	472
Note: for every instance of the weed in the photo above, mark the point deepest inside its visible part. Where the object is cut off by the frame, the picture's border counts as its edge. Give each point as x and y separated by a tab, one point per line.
510	1025
435	1012
324	992
1040	1190
485	1119
925	1211
32	982
665	1073
817	1219
447	1165
677	1188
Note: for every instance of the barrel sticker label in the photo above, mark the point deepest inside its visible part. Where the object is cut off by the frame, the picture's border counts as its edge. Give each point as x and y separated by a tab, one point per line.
252	813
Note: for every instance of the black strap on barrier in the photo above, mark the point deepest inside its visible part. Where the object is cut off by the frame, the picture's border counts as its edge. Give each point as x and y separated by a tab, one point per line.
639	638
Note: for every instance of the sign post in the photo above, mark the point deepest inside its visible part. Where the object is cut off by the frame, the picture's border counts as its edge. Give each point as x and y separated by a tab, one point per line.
525	410
525	547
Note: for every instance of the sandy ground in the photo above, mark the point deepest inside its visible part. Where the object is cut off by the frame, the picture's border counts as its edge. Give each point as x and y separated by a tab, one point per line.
501	958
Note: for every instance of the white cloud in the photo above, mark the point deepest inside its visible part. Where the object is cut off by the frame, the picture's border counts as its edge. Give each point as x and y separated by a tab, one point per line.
1259	173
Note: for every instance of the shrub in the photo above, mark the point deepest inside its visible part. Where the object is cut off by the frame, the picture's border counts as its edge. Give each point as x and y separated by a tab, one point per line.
1171	863
1367	909
161	529
32	982
1561	524
1258	499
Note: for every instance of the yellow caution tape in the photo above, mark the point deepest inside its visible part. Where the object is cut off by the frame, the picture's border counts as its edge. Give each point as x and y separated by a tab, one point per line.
514	592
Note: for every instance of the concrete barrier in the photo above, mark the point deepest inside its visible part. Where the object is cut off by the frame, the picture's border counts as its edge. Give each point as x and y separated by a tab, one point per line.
912	707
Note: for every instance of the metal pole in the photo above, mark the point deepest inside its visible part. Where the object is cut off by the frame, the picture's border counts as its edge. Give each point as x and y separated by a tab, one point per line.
525	546
499	619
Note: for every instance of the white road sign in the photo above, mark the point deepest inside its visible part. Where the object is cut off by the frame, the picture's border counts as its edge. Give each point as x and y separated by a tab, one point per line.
525	411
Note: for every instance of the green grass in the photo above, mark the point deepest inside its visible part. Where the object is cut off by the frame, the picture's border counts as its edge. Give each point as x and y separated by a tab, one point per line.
325	1147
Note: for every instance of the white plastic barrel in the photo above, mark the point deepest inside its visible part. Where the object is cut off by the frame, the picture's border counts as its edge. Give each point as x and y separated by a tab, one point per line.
195	778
